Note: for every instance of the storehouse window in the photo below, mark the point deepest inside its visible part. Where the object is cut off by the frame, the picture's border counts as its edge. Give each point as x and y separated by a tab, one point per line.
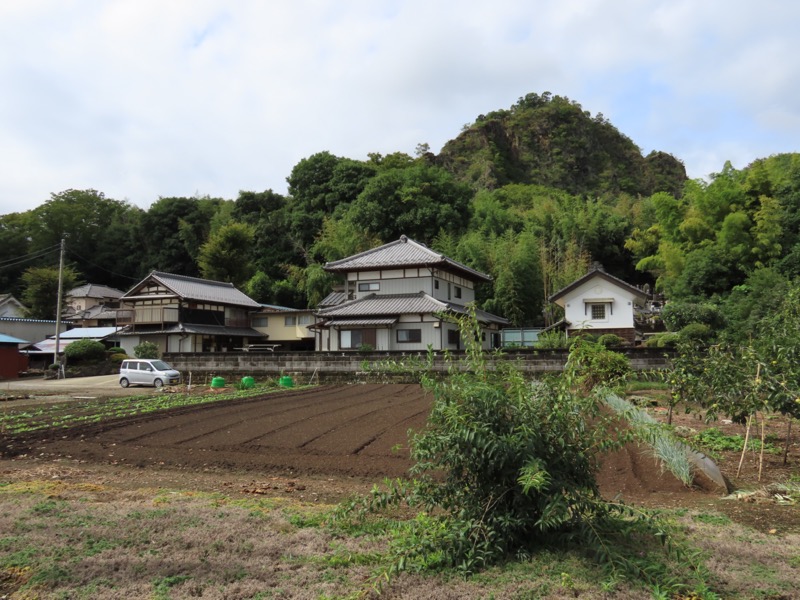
371	286
598	312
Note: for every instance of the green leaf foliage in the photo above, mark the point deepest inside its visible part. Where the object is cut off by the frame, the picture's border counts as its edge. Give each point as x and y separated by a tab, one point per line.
85	351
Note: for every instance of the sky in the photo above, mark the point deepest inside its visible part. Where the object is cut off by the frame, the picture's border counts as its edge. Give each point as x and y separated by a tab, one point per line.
141	99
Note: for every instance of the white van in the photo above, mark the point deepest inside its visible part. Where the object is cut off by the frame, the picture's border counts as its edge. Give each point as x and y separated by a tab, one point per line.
147	371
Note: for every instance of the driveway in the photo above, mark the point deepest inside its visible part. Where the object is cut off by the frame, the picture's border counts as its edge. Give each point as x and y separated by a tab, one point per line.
74	387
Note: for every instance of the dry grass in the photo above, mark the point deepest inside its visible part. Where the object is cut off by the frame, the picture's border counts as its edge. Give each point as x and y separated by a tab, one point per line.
72	538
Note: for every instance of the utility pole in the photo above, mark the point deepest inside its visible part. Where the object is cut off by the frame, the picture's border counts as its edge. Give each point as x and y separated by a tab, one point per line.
58	308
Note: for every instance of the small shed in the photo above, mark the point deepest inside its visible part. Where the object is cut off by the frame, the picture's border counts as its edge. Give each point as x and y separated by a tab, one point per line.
12	361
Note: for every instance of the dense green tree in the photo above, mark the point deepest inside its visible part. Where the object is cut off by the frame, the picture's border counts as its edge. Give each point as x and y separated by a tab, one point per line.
417	201
321	186
226	254
259	288
15	255
170	231
40	294
273	246
98	233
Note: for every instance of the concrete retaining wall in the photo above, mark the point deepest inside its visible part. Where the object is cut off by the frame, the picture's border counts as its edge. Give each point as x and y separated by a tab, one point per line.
382	366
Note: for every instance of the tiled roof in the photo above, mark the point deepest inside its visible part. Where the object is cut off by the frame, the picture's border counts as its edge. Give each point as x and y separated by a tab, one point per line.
390	304
403	253
399	304
332	299
194	288
198	329
92	290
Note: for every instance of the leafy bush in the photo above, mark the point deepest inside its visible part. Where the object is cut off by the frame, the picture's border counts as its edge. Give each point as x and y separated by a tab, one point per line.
591	364
115	350
146	350
552	340
118	357
491	482
611	340
697	332
85	351
677	315
663	340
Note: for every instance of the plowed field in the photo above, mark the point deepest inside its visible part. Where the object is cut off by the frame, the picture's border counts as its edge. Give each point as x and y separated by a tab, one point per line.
344	430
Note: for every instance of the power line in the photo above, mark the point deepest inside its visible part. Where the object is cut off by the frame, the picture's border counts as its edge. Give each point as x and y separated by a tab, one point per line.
18	260
87	261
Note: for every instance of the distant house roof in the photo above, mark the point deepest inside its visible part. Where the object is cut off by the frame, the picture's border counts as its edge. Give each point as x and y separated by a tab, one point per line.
10	306
598	272
274	308
8	339
332	299
92	333
196	329
375	305
403	253
93	290
48	346
194	288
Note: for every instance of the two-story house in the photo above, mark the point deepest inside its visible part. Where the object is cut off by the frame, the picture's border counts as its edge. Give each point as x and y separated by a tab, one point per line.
92	305
399	297
186	314
285	328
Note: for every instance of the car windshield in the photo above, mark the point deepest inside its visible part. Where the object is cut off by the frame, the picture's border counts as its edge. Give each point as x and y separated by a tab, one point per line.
161	365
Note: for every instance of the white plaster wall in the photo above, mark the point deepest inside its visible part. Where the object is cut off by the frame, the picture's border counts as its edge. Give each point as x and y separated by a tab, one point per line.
578	313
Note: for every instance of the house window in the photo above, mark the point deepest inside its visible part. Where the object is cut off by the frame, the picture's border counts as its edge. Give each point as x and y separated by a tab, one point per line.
457	292
371	286
453	337
409	336
304	320
598	312
260	321
352	339
290	321
436	284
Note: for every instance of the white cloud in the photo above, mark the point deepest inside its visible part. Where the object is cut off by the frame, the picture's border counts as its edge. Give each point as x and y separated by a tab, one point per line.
141	99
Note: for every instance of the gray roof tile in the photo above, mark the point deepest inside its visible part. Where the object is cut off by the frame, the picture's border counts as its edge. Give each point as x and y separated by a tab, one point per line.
401	253
194	288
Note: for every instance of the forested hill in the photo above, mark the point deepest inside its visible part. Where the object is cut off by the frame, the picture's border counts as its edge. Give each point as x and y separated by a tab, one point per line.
551	141
531	195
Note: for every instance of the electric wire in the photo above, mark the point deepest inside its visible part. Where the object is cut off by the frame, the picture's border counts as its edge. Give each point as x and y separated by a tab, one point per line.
87	261
12	262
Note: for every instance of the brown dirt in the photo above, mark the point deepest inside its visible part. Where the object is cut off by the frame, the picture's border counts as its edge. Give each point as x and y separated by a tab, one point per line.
326	443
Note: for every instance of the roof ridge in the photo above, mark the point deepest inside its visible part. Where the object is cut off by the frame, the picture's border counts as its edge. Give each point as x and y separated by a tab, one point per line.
190	278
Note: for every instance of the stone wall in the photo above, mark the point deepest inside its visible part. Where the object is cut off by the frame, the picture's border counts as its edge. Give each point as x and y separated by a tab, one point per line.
382	366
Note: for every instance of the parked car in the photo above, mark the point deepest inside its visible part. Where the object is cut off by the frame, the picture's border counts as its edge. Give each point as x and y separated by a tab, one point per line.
145	371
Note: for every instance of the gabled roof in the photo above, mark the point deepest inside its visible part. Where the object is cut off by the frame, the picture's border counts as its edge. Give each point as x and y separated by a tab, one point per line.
403	253
194	288
93	290
597	272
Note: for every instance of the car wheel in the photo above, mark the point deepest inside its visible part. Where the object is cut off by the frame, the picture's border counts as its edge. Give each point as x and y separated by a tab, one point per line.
124	382
158	383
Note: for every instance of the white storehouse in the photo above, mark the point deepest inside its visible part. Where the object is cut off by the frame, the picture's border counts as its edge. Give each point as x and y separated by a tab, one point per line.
600	303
